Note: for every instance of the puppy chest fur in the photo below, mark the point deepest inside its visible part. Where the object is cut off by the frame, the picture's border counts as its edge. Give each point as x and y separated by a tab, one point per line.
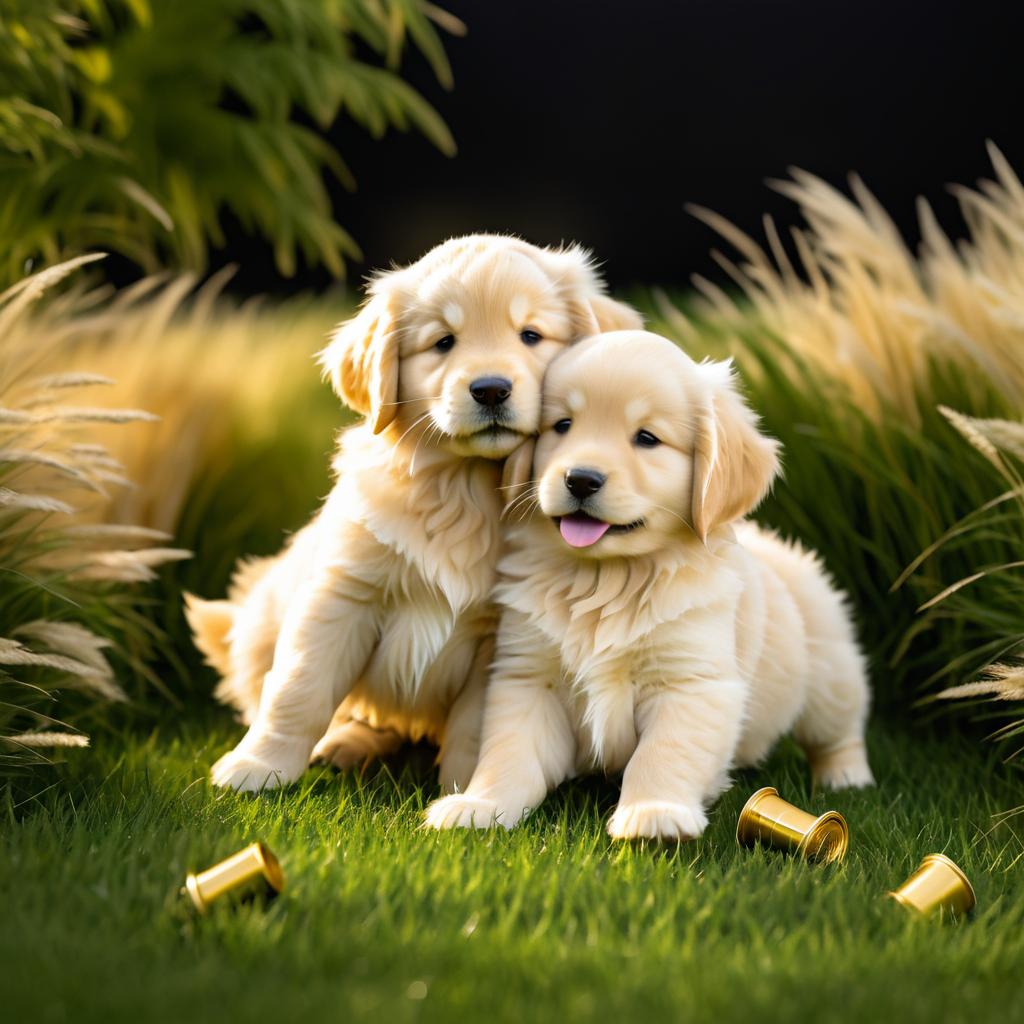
431	604
733	614
620	631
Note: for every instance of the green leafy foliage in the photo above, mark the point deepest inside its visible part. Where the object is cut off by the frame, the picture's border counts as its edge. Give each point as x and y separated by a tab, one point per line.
134	126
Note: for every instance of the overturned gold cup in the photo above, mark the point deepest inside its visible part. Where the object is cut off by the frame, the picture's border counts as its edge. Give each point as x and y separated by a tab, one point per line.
767	818
937	885
252	871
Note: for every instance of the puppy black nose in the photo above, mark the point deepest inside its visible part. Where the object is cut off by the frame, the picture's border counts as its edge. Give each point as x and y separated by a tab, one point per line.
490	391
582	483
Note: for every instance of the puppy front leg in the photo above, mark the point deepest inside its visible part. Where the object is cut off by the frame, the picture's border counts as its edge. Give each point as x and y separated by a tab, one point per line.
325	642
688	734
527	747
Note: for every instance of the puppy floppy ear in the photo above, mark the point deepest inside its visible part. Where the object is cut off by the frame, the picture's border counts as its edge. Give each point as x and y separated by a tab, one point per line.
612	315
590	309
517	472
361	359
734	464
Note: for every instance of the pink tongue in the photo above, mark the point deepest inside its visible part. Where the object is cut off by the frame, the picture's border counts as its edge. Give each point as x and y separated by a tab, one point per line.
580	530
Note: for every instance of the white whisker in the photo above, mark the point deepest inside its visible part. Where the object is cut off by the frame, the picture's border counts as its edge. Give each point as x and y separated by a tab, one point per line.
430	434
671	513
409	401
415	423
522	503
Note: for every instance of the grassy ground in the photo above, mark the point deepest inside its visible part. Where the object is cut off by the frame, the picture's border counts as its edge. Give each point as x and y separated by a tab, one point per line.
552	922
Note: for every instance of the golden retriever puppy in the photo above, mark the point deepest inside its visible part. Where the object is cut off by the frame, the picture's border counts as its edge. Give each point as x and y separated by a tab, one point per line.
643	628
378	612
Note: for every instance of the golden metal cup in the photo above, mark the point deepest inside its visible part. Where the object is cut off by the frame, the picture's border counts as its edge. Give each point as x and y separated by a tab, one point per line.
767	818
250	871
937	885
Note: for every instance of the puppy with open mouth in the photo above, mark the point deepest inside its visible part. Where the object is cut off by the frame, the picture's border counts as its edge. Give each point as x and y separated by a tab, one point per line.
645	627
378	614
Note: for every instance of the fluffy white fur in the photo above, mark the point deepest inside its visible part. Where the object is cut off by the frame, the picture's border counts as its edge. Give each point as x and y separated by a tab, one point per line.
378	613
677	645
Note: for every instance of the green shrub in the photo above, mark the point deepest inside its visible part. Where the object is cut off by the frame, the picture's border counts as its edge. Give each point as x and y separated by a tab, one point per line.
134	126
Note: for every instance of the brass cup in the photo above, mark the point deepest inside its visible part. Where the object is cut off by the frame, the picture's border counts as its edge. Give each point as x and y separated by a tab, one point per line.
937	885
250	871
767	818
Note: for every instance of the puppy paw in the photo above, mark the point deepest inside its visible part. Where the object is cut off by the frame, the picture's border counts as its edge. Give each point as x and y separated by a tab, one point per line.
354	743
247	773
657	819
843	769
849	777
462	811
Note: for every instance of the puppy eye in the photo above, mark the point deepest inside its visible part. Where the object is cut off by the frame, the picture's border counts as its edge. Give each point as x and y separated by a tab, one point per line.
562	426
446	344
645	439
530	337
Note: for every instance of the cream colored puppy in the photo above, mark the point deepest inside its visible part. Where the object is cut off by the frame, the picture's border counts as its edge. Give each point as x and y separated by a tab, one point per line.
643	629
378	612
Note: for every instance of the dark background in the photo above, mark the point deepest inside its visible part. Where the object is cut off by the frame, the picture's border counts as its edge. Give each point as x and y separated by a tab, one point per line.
597	122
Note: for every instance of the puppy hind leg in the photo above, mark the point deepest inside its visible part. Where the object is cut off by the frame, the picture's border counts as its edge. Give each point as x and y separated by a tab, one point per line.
253	639
349	742
831	725
460	747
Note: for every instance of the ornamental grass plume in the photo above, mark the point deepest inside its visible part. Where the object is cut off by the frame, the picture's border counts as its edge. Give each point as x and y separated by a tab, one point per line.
862	310
1001	442
868	359
236	456
69	627
222	379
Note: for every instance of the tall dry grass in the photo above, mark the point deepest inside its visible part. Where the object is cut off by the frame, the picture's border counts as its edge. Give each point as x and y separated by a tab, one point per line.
237	452
222	379
68	614
230	452
1001	442
861	309
873	363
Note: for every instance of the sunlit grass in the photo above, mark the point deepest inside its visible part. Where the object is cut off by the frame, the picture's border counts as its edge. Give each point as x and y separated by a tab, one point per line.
383	920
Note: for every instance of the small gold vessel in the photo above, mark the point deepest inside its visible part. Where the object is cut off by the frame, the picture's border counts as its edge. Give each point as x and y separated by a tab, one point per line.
251	871
768	819
937	885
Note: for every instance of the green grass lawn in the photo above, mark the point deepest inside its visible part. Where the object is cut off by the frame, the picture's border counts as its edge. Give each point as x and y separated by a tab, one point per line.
553	922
